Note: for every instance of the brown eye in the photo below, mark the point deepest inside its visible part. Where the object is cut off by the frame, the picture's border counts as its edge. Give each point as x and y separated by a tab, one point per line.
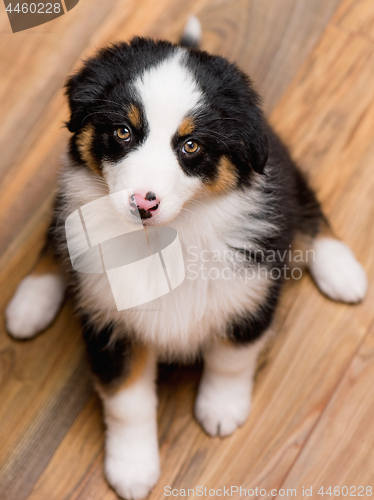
123	133
190	147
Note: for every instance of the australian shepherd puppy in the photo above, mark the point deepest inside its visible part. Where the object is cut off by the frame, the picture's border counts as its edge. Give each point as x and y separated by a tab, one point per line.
177	137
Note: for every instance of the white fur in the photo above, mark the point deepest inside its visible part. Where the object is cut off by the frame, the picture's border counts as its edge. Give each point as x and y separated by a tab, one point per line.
337	272
168	93
178	323
34	305
224	398
132	464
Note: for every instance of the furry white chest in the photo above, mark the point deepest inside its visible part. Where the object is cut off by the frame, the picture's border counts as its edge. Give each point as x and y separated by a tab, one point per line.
214	291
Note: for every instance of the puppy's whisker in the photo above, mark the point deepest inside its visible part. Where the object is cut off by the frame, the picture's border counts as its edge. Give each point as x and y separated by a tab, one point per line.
198	202
182	215
186	210
111	113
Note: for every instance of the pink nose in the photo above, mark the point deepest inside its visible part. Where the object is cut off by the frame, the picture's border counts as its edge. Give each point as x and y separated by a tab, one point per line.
146	205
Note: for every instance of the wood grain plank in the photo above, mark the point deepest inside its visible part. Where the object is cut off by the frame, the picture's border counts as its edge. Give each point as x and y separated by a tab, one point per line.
356	15
260	36
36	63
340	452
299	377
41	397
326	115
33	451
81	447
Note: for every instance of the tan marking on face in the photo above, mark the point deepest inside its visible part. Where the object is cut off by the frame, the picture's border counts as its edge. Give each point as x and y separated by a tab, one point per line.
134	116
186	127
226	178
84	143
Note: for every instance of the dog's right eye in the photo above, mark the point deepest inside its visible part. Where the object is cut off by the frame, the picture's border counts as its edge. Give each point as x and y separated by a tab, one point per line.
190	147
122	133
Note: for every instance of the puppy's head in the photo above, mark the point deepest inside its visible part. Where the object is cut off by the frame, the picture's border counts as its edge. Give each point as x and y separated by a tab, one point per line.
168	123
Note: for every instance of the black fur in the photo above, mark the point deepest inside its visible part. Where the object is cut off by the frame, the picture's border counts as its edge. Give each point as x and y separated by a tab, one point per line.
101	86
110	360
293	210
230	123
249	327
99	95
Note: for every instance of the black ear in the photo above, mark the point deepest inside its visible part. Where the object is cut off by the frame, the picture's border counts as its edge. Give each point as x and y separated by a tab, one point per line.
250	151
254	130
76	108
257	145
86	89
251	147
82	90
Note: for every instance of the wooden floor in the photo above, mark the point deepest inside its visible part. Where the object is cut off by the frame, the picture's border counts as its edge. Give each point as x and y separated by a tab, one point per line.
312	422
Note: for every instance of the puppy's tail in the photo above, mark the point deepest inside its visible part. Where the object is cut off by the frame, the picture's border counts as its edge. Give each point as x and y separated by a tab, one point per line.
192	33
335	269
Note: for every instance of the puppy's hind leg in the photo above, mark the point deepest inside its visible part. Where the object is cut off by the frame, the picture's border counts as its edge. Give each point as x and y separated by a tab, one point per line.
335	269
37	299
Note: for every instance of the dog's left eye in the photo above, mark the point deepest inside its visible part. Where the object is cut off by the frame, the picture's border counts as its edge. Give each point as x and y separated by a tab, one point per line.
123	133
190	147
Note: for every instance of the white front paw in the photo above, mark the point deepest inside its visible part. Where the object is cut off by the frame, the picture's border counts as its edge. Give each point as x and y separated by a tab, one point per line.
222	408
134	472
34	305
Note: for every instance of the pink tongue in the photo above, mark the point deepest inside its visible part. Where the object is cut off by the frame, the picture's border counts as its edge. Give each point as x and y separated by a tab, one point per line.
143	203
